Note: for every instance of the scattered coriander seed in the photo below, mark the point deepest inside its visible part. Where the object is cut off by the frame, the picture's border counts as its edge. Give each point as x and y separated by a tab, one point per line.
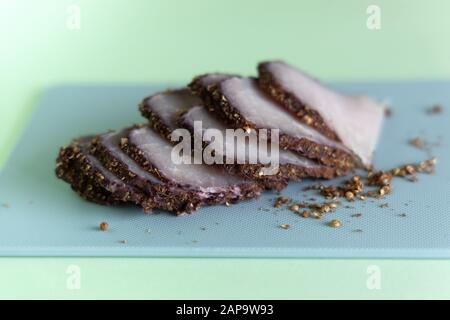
316	215
435	109
280	201
335	223
417	142
306	214
295	208
349	195
285	226
104	226
384	190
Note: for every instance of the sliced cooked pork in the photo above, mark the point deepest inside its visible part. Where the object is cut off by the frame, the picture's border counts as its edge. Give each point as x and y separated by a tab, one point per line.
166	114
322	134
163	108
90	179
211	184
241	103
162	195
353	120
291	165
200	84
169	194
164	117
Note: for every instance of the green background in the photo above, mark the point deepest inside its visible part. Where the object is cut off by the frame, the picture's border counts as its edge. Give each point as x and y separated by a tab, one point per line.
170	41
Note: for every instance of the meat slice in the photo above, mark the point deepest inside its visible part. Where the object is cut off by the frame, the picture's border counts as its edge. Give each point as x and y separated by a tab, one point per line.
210	184
90	179
353	120
163	108
162	194
291	165
164	114
69	170
200	84
241	103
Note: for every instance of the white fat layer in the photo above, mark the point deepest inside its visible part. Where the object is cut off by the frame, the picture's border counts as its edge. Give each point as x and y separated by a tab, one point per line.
263	112
210	122
168	105
213	78
357	120
158	152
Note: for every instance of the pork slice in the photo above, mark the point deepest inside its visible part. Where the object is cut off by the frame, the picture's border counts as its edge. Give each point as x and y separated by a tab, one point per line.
163	194
291	164
163	108
241	103
69	170
90	179
200	84
166	115
355	121
211	184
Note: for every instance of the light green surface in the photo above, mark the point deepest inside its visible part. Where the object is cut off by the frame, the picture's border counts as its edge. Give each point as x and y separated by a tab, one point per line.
222	279
169	41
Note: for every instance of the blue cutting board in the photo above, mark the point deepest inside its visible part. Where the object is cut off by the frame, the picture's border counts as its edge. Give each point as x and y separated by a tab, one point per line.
43	217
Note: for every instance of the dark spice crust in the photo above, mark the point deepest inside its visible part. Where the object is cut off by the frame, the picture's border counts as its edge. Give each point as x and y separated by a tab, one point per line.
156	123
285	173
305	114
289	172
121	192
69	169
216	102
200	90
247	190
154	120
247	171
164	196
